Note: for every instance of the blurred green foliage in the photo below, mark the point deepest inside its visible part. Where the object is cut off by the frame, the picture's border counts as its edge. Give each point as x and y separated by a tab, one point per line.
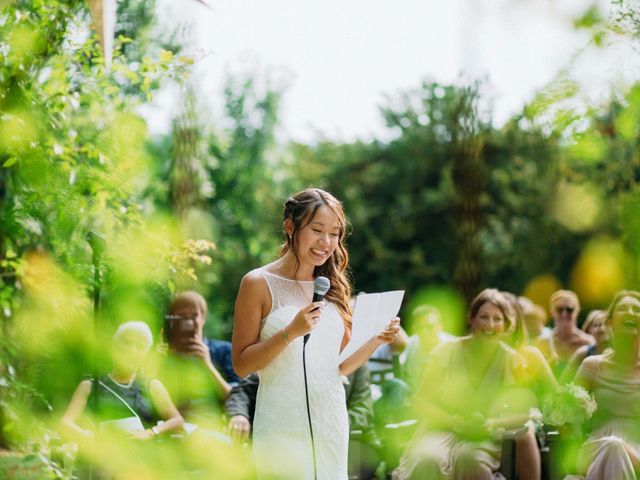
73	156
411	201
542	194
450	205
225	184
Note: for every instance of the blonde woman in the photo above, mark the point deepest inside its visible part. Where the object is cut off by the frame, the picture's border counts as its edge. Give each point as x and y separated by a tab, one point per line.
565	337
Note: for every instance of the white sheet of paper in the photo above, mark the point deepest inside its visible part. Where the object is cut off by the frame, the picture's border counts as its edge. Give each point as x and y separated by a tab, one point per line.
371	313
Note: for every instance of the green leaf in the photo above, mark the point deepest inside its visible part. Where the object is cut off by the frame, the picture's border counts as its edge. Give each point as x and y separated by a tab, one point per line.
589	18
10	162
589	148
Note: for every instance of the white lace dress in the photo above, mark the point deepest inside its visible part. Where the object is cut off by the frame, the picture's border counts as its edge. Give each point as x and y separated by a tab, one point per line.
281	438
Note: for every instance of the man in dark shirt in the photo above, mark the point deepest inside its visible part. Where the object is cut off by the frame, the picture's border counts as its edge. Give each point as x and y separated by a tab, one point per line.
197	371
220	354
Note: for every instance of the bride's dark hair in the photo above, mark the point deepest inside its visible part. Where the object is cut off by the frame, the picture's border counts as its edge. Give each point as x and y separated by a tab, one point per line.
301	208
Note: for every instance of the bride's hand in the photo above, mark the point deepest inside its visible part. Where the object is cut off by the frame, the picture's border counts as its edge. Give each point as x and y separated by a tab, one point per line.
306	320
390	332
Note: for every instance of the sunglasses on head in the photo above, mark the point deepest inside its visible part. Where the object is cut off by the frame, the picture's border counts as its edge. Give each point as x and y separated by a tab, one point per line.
565	309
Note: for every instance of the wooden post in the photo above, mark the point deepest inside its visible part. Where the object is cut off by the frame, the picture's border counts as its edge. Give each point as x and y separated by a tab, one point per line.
103	14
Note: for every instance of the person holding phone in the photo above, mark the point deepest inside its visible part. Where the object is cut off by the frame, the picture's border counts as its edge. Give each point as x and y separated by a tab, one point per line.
196	370
184	328
274	311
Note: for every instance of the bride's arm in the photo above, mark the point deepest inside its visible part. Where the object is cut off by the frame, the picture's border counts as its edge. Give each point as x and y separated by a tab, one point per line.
248	353
360	356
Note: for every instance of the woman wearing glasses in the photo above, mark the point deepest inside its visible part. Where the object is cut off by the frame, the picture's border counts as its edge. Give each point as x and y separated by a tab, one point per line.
565	337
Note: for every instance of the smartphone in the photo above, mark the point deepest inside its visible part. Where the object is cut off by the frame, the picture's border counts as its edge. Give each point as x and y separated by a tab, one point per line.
180	332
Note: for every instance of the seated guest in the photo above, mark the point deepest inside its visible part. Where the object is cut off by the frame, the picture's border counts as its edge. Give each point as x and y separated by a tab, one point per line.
535	319
613	447
197	371
385	388
538	377
426	325
240	407
537	380
123	399
389	391
382	357
596	326
214	354
464	399
565	337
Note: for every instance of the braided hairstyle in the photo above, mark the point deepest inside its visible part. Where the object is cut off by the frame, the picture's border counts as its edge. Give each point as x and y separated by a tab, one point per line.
301	208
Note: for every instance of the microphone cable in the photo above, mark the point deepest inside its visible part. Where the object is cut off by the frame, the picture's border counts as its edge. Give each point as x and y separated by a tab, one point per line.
306	393
321	286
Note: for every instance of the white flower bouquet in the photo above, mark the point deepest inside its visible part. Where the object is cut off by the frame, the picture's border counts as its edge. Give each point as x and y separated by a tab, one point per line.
569	405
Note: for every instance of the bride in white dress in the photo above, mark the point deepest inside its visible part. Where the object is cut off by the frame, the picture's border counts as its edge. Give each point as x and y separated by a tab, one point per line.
273	313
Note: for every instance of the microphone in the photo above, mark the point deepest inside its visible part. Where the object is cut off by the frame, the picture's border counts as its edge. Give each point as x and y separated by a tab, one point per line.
321	286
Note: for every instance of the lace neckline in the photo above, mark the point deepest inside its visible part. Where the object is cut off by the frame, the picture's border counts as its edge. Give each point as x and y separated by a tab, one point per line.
285	278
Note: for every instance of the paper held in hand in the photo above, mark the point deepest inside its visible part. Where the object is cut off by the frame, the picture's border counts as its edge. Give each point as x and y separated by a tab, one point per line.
371	313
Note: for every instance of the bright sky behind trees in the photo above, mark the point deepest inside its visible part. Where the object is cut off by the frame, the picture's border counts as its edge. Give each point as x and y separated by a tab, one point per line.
339	59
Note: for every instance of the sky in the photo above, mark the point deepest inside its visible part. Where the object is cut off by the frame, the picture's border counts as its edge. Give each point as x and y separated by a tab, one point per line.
341	60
